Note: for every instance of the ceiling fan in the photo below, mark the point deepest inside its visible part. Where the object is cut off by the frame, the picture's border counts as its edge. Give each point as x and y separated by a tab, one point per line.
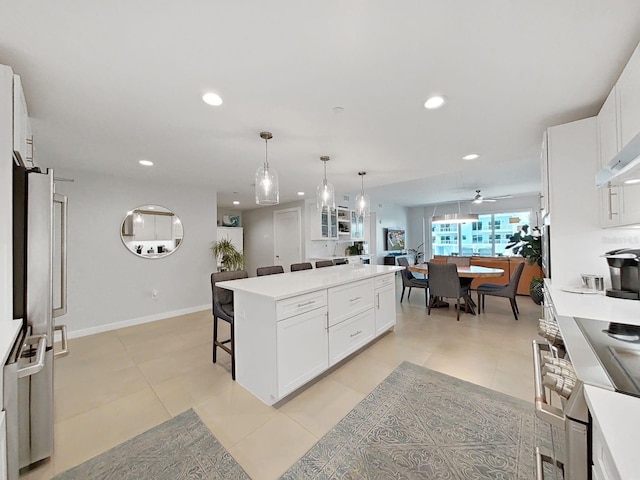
479	198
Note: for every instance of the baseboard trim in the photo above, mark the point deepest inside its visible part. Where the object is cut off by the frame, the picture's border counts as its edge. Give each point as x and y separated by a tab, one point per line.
136	321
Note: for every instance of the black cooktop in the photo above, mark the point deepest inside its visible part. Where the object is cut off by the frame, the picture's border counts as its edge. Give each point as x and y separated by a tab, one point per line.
617	347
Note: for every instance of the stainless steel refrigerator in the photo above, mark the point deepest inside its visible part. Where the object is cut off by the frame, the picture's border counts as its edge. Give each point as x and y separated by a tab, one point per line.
39	256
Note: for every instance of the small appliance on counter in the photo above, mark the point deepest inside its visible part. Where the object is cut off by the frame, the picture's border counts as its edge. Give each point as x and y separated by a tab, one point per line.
624	268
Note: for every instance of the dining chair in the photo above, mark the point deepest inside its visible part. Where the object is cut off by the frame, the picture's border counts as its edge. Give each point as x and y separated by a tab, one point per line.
223	309
409	281
296	267
261	271
324	263
445	283
460	261
509	290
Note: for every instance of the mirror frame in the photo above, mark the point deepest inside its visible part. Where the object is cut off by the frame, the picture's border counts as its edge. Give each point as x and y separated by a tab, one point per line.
127	230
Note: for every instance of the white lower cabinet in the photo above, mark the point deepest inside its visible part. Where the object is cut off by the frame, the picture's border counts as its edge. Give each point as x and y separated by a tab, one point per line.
348	336
603	465
3	445
385	308
302	349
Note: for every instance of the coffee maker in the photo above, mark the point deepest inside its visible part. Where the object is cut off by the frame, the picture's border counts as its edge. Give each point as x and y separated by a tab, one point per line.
624	268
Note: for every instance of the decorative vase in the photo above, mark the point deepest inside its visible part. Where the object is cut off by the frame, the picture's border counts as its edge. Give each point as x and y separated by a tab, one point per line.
536	292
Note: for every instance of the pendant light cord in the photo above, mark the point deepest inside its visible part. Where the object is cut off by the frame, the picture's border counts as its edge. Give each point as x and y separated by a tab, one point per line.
266	157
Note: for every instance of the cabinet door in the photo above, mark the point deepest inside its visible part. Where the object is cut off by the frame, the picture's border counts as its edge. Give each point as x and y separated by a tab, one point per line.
385	310
357	231
302	343
544	164
234	234
628	91
164	228
609	206
144	227
629	204
21	126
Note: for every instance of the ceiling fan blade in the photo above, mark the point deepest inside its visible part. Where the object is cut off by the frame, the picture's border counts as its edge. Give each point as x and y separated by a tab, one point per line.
490	200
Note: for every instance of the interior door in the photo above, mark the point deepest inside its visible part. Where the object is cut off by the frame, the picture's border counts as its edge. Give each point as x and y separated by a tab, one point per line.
287	237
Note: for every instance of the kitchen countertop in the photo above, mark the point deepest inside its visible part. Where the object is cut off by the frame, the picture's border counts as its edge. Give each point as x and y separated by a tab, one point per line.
597	306
285	285
617	416
8	333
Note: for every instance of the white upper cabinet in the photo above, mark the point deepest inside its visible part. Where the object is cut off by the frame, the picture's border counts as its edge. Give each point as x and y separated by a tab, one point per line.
608	146
22	136
323	225
628	91
544	163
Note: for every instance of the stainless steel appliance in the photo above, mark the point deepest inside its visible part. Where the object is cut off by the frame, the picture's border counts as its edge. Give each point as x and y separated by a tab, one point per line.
624	268
28	374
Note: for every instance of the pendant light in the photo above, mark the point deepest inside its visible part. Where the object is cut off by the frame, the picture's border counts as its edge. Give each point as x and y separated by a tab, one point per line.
266	181
325	193
363	203
454	217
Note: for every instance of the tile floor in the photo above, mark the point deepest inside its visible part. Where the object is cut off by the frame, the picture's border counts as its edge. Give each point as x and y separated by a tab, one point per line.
118	384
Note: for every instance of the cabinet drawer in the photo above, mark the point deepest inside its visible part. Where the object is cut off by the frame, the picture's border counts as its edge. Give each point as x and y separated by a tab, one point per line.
350	335
348	300
300	304
384	280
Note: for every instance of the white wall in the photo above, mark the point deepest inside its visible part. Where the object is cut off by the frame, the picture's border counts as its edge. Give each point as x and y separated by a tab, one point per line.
388	215
108	285
577	240
258	234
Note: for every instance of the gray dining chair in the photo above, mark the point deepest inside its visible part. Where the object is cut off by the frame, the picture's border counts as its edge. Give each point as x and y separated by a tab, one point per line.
444	282
324	263
410	281
508	291
296	267
223	309
460	261
271	270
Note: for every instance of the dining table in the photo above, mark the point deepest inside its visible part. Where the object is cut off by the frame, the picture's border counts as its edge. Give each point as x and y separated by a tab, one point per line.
466	274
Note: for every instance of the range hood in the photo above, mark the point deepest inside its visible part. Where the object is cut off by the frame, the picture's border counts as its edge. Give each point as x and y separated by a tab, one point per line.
626	160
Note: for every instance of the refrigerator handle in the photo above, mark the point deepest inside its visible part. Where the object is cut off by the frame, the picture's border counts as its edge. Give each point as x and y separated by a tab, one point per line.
62	200
34	368
65	345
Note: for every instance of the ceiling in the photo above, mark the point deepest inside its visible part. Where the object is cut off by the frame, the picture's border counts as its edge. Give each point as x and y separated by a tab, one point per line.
109	85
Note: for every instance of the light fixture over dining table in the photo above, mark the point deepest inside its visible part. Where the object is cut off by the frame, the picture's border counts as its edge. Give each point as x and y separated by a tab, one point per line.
266	180
458	217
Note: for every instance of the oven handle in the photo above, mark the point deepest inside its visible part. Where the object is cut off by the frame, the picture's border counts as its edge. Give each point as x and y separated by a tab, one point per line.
542	458
36	367
545	412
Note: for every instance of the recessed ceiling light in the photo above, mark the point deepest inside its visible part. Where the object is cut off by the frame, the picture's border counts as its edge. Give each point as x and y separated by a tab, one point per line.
338	110
212	99
301	193
471	156
632	181
236	202
146	163
435	102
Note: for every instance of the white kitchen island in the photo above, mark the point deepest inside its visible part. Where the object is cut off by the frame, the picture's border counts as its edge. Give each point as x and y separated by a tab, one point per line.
291	327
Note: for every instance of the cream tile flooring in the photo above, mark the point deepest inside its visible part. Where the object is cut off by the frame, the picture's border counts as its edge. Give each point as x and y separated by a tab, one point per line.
118	384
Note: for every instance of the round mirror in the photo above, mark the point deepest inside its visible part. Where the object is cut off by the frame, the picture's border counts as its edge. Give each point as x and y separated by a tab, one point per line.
151	231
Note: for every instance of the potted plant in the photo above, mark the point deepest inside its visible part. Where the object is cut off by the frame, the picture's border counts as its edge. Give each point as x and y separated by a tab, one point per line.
529	245
230	258
417	253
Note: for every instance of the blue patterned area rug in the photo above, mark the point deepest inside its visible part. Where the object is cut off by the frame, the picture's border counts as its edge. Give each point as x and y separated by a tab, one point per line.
422	424
180	448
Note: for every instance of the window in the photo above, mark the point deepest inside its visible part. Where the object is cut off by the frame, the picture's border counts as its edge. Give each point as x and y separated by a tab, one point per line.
488	236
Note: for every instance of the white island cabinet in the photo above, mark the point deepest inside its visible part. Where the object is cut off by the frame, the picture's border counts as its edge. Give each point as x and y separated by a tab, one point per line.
291	327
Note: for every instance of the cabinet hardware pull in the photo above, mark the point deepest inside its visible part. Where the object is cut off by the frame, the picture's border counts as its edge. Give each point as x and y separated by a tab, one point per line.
354	334
310	302
354	299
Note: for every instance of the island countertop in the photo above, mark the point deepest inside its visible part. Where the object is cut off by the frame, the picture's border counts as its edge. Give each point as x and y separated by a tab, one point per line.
284	285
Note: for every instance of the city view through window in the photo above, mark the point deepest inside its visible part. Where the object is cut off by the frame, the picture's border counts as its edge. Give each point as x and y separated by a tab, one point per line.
487	237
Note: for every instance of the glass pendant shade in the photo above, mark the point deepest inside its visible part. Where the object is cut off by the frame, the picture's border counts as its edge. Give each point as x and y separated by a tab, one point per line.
325	193
266	180
363	202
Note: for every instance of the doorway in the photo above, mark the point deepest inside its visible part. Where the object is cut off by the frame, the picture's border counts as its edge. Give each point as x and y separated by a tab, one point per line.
287	237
